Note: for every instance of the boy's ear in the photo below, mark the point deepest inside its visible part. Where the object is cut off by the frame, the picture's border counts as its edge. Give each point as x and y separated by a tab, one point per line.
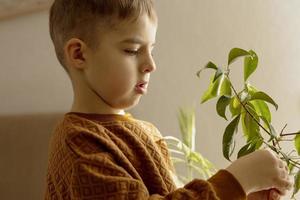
75	53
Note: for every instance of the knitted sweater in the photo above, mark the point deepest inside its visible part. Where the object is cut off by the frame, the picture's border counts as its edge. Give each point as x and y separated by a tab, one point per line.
115	157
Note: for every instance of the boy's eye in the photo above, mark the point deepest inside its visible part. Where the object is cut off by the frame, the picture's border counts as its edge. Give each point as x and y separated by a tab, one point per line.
131	52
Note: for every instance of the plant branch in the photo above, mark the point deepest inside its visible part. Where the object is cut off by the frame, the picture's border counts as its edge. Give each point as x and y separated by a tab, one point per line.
286	140
281	132
274	140
289	134
278	151
236	94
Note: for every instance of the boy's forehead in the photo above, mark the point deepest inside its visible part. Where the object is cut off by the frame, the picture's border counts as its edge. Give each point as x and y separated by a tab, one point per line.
141	30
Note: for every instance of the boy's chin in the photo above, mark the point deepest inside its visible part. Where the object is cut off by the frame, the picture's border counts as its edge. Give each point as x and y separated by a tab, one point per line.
132	105
129	105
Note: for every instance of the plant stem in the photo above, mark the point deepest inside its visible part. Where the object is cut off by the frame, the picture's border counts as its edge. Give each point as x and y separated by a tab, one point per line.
236	94
289	134
296	164
286	140
281	132
275	141
258	123
190	170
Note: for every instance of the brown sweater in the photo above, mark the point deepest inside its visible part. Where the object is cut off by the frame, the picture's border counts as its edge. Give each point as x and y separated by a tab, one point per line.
116	157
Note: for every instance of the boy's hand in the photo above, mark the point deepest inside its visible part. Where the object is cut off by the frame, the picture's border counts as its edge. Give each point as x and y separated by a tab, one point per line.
261	170
264	195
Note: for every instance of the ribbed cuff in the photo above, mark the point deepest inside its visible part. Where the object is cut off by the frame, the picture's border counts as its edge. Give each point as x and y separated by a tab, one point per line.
227	186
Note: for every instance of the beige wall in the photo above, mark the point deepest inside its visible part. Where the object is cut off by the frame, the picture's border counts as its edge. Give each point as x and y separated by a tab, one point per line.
190	33
31	79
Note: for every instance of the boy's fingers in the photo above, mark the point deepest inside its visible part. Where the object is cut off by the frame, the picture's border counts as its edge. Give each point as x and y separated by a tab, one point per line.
284	186
274	195
286	168
284	174
282	164
281	192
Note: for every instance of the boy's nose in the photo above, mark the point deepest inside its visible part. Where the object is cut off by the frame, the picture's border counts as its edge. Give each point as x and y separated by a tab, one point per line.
149	66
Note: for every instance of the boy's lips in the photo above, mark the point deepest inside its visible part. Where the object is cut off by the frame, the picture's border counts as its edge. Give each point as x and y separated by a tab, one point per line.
141	87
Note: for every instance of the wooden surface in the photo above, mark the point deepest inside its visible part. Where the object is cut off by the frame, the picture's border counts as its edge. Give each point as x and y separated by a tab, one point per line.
14	8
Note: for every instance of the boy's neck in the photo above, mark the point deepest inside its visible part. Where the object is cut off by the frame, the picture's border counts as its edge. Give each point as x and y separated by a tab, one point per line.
96	110
86	101
89	103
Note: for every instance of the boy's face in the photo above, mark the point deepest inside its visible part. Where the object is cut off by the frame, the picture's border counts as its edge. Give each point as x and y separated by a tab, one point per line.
119	70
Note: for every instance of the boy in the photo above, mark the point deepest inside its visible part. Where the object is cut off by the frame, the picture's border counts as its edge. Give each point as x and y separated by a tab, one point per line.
100	152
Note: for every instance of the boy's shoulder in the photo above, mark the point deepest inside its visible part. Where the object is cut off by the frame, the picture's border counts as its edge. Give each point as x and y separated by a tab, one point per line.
85	134
150	128
74	123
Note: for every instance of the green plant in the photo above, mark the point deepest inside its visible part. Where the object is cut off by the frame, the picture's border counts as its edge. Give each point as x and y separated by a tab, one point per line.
184	153
249	107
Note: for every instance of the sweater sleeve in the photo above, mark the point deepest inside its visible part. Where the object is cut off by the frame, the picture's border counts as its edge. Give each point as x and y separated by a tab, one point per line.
227	186
223	183
103	179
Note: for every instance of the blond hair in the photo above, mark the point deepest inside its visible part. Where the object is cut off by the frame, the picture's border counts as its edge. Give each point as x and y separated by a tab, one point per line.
82	19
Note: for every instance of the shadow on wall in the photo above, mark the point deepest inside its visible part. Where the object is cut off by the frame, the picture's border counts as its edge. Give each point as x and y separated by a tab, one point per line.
23	154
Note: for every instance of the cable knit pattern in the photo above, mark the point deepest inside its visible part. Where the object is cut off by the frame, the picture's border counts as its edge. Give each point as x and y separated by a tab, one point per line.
115	157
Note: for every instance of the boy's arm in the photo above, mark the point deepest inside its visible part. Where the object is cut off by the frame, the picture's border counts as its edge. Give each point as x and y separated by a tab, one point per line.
104	179
227	186
224	184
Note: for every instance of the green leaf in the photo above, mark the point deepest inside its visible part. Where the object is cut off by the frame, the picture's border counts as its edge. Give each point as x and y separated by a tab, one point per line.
250	127
218	73
199	170
221	86
175	151
175	142
291	167
209	65
235	53
296	183
245	150
211	91
172	139
186	118
262	109
200	160
235	106
222	103
263	96
259	105
244	96
273	133
251	89
232	148
250	64
177	160
225	88
297	143
228	139
196	157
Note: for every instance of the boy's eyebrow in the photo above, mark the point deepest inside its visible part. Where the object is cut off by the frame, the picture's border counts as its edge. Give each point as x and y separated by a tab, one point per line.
135	40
